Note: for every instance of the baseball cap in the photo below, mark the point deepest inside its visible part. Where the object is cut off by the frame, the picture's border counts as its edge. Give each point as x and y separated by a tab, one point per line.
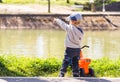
75	17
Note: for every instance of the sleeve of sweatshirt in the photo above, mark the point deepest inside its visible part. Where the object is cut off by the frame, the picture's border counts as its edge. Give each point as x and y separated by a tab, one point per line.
62	24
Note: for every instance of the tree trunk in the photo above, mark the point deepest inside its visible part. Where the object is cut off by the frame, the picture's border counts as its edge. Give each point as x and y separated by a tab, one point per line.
0	1
68	1
92	7
48	6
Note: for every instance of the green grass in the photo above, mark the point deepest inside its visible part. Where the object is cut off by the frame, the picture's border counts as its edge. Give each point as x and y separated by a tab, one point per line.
106	68
27	66
57	2
45	2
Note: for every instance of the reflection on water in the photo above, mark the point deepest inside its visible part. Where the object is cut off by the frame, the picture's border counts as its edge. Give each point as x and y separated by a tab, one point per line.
44	43
39	46
103	44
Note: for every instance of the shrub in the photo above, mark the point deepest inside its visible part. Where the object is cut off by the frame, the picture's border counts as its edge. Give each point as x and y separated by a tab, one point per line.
97	3
100	2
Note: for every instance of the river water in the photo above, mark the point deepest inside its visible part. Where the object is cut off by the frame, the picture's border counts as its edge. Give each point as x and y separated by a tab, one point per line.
50	43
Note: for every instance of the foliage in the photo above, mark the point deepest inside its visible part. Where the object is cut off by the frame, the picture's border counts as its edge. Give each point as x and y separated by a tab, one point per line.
106	68
100	2
57	2
27	66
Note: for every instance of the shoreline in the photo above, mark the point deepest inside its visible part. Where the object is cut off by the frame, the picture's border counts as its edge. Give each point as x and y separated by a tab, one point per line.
95	21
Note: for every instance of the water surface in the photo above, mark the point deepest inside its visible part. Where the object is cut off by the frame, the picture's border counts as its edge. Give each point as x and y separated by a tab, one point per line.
45	43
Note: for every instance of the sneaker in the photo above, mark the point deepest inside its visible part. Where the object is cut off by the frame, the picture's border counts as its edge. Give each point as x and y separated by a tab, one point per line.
61	75
75	75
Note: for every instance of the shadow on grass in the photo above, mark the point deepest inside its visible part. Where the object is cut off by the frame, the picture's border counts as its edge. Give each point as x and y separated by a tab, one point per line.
4	71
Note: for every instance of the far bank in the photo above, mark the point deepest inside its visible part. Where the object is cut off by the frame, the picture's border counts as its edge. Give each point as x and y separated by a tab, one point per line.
91	21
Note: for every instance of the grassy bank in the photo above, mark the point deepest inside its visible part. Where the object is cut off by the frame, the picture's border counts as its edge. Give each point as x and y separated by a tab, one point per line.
106	68
25	66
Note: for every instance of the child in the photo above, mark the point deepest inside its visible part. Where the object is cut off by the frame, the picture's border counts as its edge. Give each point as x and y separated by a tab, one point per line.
74	35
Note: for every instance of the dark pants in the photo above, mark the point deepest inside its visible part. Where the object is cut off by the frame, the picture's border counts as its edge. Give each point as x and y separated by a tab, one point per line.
71	55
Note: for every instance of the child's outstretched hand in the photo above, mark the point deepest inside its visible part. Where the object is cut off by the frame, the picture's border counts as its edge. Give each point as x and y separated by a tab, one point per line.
55	19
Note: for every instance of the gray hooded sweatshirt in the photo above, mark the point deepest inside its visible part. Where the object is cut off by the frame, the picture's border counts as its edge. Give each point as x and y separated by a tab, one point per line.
74	35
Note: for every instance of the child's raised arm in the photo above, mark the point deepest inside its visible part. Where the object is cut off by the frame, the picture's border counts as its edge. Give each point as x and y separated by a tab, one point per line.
61	23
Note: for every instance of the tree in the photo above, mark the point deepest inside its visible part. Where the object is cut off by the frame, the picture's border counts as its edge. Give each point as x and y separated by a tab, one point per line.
0	1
